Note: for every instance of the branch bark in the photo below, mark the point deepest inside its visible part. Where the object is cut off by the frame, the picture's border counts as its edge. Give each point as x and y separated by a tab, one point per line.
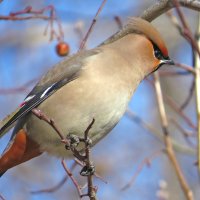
163	6
197	91
168	142
153	12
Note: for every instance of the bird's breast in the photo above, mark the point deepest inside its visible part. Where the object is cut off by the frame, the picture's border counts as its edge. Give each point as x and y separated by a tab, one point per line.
93	95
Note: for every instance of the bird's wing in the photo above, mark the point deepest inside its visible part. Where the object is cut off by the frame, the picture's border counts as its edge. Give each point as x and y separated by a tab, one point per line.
61	74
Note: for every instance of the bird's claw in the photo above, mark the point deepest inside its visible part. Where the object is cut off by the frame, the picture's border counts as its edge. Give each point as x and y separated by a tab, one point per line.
87	171
73	140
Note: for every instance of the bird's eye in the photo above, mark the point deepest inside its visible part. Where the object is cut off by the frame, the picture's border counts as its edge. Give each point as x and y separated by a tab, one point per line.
157	52
159	55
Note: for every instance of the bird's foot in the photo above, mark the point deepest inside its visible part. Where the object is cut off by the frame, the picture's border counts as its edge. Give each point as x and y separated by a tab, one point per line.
74	141
87	170
87	141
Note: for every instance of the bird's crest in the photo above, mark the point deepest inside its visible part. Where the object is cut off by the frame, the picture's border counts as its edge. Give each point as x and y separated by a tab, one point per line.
139	25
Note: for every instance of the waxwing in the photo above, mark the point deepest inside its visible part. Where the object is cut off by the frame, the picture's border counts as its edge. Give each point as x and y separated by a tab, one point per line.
91	84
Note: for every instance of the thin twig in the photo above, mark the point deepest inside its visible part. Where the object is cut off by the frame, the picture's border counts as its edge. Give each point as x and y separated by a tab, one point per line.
57	186
174	73
95	173
1	197
78	28
71	177
176	107
145	162
185	67
42	116
38	113
189	96
163	6
52	189
149	127
29	13
23	88
197	91
118	22
185	31
15	18
153	12
92	25
91	189
187	134
168	143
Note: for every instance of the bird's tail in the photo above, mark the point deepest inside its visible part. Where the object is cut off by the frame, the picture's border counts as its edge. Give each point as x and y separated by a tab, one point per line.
20	149
7	123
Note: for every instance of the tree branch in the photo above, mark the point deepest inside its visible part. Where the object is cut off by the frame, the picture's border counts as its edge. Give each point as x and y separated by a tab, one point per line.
197	91
177	146
168	142
163	6
153	12
82	45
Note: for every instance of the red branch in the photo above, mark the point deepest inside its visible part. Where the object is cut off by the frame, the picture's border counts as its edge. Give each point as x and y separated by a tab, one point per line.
92	25
71	177
186	32
39	14
146	162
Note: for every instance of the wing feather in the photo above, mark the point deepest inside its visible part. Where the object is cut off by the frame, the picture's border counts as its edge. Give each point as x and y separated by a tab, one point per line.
63	73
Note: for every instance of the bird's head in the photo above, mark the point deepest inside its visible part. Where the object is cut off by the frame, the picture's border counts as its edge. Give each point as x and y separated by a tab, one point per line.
143	46
158	47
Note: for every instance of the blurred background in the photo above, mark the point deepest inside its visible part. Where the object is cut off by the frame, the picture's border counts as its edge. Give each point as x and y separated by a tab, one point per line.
26	54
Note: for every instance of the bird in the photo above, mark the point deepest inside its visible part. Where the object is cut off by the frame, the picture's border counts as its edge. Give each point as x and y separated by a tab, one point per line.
92	84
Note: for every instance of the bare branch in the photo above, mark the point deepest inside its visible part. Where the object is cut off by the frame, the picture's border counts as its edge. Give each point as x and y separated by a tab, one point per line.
1	197
96	175
89	172
185	67
56	187
29	13
71	177
197	91
176	108
146	162
168	143
185	31
23	88
38	113
163	6
177	146
16	18
92	25
118	22
186	133
153	12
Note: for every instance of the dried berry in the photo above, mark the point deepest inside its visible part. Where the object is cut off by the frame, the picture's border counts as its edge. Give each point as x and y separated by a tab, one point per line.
62	49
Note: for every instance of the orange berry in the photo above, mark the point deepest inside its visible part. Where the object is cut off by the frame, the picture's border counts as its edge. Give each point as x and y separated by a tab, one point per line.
62	49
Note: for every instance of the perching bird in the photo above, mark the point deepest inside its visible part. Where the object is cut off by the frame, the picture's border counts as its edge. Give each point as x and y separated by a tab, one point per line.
92	84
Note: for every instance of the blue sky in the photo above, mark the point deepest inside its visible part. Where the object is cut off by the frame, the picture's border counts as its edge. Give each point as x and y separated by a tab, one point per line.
26	54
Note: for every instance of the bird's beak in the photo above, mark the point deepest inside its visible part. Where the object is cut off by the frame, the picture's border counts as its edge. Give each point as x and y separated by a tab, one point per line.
168	61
